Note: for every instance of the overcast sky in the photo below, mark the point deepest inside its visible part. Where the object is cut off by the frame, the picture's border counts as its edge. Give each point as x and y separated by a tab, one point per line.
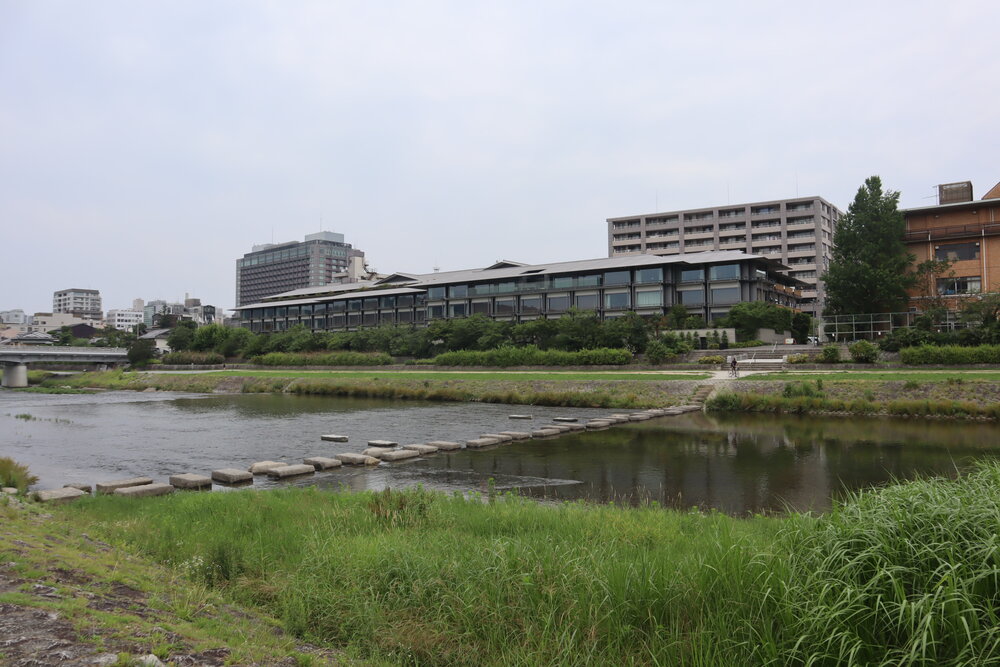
146	145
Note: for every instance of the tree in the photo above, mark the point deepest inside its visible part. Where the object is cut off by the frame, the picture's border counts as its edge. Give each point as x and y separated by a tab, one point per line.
182	336
869	269
140	352
748	317
801	325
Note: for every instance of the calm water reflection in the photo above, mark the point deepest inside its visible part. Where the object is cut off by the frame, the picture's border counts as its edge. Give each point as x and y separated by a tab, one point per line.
736	464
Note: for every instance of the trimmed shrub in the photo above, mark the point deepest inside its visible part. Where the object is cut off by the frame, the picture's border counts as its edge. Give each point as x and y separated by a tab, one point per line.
863	352
950	354
799	358
830	354
329	359
529	355
198	358
712	359
658	353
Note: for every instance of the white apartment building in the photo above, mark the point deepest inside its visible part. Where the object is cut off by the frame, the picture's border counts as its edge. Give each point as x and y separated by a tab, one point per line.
83	303
123	319
797	232
16	316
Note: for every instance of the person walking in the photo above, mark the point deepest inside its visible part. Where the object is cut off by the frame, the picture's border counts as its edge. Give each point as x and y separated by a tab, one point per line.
733	369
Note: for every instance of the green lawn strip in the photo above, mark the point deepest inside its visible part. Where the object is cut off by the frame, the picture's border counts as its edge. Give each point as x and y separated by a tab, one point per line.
881	376
425	578
519	376
122	603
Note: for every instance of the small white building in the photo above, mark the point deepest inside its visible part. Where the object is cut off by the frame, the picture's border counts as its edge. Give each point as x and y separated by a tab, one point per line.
123	319
16	316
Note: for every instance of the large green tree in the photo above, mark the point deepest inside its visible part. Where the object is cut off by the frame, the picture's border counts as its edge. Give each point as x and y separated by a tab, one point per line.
870	268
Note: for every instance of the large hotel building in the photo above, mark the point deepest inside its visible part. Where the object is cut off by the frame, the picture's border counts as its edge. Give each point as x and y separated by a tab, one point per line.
706	284
796	232
276	268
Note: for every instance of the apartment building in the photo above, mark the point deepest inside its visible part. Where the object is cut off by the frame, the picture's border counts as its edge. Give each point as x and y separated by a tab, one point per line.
706	284
275	268
123	319
961	230
796	232
82	303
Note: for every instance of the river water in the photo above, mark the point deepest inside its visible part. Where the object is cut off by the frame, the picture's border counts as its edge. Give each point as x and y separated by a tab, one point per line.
736	464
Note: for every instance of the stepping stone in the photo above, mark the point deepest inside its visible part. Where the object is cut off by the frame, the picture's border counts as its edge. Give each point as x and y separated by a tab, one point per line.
517	435
398	454
189	480
322	462
86	488
445	445
63	495
111	487
144	490
640	417
231	476
545	432
376	451
655	412
333	437
294	470
562	428
356	459
575	427
422	449
499	437
382	443
596	424
481	442
565	419
264	467
519	417
670	412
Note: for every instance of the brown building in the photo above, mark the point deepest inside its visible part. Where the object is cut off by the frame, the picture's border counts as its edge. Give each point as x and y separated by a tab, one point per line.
962	230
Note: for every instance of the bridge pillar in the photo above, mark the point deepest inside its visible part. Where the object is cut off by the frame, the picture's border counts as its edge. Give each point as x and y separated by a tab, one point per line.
15	375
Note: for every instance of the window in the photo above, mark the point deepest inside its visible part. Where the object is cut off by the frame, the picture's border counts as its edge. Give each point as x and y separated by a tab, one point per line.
725	295
405	301
338	321
481	307
457	310
557	303
531	305
589	281
562	282
435	312
504	306
616	300
353	319
354	304
646	276
691	297
386	318
956	252
435	293
617	278
965	285
338	306
649	298
387	302
404	316
692	275
588	301
371	303
458	291
724	272
370	319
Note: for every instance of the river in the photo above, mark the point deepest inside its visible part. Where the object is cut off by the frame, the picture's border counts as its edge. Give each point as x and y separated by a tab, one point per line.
736	464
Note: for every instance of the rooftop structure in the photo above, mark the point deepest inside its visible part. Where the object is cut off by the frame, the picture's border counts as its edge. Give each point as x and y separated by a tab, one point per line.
274	268
796	232
706	284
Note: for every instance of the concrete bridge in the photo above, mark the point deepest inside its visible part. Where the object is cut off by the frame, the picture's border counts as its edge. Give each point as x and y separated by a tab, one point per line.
15	359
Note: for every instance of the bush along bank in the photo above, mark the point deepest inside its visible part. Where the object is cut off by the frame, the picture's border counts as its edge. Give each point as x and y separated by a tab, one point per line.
904	575
950	355
799	398
529	355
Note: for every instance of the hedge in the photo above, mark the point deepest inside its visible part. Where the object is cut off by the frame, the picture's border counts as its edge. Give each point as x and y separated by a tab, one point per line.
950	354
530	355
329	359
199	358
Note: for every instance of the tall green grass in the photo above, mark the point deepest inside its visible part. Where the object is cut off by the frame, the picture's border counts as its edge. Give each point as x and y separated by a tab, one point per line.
797	400
907	575
16	475
530	355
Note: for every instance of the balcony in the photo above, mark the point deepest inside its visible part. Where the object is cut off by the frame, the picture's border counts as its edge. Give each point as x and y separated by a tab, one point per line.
956	231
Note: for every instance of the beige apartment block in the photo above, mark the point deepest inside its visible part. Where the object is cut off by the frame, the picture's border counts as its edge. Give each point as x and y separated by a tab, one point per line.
797	232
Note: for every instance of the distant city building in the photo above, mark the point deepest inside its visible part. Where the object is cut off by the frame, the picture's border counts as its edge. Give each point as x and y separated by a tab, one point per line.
706	284
275	268
84	303
51	321
123	319
797	232
13	316
151	309
138	304
960	230
153	312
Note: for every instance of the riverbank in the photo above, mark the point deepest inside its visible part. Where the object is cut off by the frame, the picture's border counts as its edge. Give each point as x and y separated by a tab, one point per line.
551	389
420	577
945	395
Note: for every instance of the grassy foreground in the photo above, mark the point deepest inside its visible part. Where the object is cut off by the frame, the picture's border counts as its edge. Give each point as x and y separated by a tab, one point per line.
906	575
